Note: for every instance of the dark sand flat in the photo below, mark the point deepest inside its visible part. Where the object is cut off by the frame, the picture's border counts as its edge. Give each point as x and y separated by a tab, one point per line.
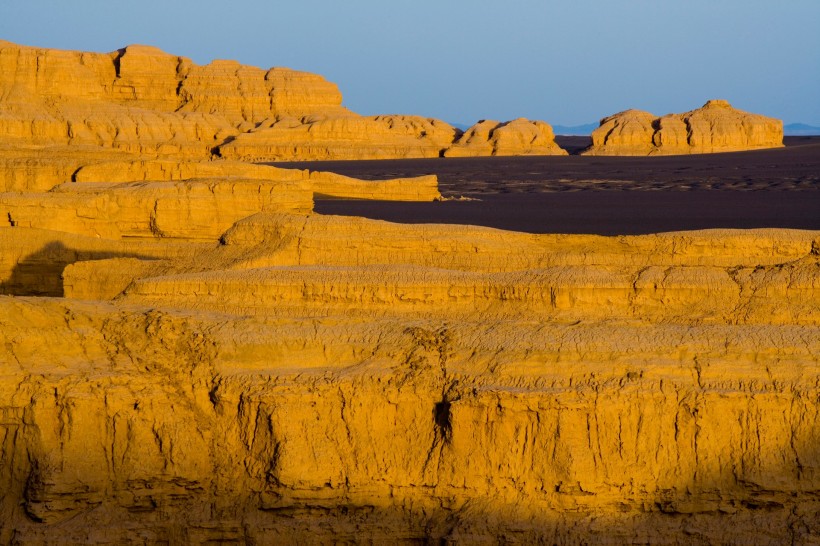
604	195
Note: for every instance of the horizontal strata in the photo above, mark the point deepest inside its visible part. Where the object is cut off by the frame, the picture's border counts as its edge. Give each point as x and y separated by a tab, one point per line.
784	294
140	101
188	355
609	432
290	239
418	188
192	209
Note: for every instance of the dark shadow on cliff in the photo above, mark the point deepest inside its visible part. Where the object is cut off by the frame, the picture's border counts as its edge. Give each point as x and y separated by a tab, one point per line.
40	273
195	511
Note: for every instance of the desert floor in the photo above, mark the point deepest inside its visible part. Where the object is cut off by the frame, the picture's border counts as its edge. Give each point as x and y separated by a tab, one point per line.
603	195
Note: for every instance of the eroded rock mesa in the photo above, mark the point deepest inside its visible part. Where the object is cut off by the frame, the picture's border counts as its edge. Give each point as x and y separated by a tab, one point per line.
715	127
143	102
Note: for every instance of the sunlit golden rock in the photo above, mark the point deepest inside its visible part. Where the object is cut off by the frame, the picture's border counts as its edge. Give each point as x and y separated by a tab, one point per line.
375	369
517	137
420	188
716	127
190	355
342	137
142	101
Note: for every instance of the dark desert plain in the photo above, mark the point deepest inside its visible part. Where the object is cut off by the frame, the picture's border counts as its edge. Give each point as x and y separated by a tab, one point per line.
599	194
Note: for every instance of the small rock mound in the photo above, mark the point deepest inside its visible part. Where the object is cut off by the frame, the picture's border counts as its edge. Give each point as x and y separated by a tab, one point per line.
715	127
518	137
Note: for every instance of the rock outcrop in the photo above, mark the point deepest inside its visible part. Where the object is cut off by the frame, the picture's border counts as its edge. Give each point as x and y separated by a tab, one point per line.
341	137
301	377
517	137
716	127
323	378
190	355
141	102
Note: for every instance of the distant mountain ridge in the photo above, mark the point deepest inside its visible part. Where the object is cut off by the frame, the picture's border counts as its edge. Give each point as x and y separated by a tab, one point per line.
800	129
564	130
575	130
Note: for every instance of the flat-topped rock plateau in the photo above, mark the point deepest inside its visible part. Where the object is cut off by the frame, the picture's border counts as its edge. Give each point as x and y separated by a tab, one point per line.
191	352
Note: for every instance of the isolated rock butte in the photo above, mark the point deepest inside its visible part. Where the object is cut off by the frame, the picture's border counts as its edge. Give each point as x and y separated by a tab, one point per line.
517	137
142	101
715	127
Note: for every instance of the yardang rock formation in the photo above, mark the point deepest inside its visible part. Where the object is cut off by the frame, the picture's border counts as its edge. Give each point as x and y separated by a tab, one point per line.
517	137
716	127
144	101
190	355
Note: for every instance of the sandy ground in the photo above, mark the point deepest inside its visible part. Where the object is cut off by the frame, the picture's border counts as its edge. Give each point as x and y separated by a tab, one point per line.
604	195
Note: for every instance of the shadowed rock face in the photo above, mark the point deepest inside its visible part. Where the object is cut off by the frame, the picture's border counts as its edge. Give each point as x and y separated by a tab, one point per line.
716	127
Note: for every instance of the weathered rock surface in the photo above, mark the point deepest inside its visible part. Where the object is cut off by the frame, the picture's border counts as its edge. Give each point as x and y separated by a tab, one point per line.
342	137
144	102
328	378
420	188
517	137
127	422
190	355
716	127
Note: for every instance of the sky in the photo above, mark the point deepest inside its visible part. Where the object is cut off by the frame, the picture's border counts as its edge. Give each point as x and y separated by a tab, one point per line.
567	62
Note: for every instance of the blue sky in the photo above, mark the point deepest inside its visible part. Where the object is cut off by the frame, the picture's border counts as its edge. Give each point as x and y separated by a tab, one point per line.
567	62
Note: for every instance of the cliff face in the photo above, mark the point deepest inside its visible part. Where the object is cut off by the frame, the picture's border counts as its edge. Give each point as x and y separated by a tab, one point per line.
143	102
342	137
716	127
313	378
158	425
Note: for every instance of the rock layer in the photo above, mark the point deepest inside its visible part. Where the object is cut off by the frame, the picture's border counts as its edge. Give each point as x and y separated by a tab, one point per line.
142	100
716	127
342	137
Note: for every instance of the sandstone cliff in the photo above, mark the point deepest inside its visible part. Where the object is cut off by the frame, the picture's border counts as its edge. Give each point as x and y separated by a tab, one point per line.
716	127
142	100
342	137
